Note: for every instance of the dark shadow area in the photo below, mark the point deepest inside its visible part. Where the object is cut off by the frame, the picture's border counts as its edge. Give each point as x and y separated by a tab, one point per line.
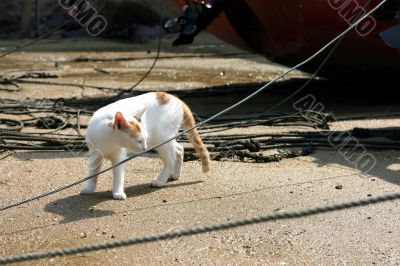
379	168
132	20
78	207
338	97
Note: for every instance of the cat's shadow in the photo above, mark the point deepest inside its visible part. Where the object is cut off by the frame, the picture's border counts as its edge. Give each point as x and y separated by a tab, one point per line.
80	207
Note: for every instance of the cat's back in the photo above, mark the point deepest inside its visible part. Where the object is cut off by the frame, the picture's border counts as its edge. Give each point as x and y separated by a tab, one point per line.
163	110
156	103
160	107
125	106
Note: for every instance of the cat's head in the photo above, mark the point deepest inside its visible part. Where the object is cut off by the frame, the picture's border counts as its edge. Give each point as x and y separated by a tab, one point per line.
131	133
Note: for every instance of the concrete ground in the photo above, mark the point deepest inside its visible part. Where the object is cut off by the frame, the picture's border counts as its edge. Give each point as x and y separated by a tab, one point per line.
232	190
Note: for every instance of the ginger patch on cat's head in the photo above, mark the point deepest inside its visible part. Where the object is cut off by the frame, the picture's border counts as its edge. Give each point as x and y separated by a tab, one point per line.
120	123
135	129
163	97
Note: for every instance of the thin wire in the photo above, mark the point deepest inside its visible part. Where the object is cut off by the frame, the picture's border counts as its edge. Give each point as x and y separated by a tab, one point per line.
150	69
203	122
155	59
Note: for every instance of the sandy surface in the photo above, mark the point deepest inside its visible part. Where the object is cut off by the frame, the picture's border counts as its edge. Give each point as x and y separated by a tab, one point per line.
233	190
208	62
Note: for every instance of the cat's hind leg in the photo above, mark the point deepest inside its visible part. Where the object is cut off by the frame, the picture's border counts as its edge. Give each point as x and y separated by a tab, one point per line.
95	161
176	173
167	154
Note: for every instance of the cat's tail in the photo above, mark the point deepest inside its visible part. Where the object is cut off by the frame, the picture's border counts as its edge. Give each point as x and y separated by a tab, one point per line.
194	138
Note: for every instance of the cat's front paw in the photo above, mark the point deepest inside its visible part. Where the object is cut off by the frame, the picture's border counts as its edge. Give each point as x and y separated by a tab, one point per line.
87	191
157	184
119	196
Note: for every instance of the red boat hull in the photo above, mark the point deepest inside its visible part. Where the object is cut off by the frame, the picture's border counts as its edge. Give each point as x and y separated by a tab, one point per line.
289	31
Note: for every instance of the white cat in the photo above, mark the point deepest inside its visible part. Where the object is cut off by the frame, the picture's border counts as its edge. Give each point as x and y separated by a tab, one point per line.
137	123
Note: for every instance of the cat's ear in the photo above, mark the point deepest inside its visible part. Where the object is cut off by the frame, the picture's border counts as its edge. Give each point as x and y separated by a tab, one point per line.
120	121
139	113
